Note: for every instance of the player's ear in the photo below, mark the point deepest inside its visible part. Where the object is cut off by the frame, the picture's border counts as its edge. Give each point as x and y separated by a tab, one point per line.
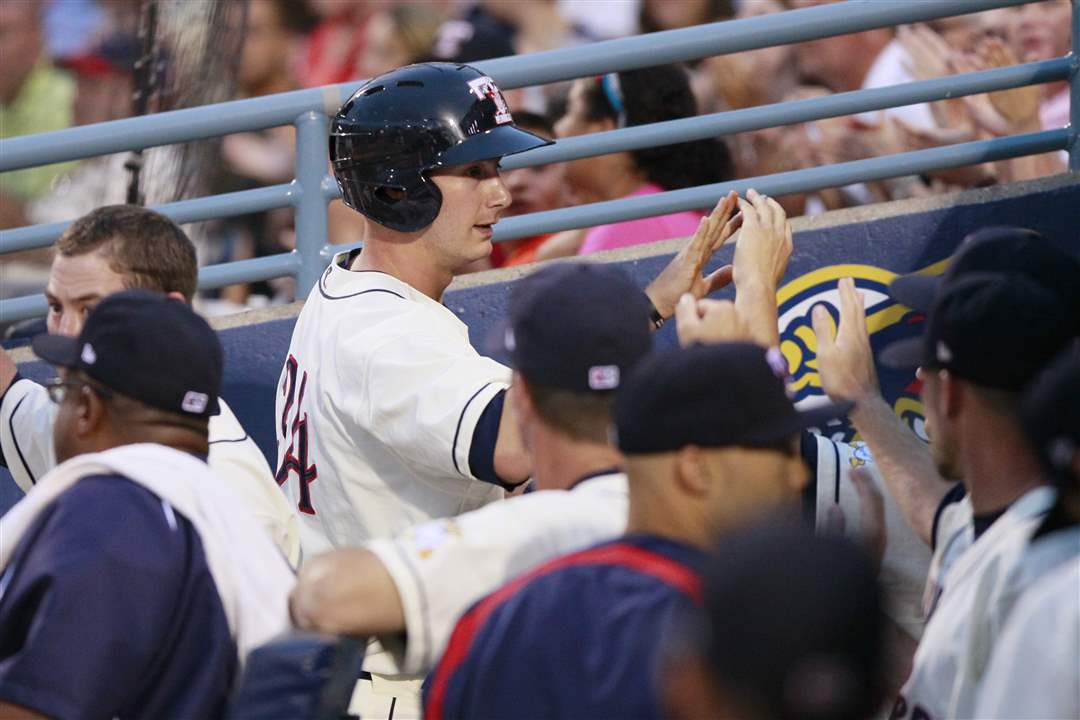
952	394
90	412
692	470
521	396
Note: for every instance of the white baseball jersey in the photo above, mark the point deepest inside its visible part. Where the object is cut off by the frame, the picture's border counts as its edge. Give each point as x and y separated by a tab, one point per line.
26	438
376	409
906	558
442	567
1035	668
979	591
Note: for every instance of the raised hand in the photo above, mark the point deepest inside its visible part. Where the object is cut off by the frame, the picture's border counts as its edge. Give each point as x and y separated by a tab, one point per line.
708	322
845	360
683	274
764	246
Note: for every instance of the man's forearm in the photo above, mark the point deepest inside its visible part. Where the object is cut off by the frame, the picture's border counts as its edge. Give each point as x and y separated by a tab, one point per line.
755	303
347	592
905	464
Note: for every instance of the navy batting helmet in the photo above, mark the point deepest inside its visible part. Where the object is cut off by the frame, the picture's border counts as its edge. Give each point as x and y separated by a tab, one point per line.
399	126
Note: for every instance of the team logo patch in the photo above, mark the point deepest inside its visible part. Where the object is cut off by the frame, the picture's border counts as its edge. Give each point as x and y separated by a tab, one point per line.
427	538
603	377
886	320
485	88
88	355
195	402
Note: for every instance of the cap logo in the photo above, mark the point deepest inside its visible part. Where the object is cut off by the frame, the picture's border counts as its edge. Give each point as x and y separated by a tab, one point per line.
88	355
195	402
603	377
485	88
944	354
508	339
777	362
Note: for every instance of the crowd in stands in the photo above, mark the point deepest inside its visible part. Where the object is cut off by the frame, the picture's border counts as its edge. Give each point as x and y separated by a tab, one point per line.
73	63
577	522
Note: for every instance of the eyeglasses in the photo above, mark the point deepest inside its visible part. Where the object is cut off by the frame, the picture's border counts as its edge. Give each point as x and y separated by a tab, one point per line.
57	389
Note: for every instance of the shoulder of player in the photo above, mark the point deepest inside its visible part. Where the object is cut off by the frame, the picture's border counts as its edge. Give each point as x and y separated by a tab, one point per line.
83	519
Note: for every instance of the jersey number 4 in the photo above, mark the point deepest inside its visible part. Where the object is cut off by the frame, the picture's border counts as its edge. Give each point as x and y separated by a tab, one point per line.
296	456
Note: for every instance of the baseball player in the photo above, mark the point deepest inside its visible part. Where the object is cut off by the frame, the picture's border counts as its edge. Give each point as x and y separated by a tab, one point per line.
754	654
970	394
567	364
710	440
134	584
110	249
1034	670
386	415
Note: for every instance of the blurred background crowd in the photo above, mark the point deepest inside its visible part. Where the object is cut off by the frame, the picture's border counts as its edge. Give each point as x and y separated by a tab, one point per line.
75	62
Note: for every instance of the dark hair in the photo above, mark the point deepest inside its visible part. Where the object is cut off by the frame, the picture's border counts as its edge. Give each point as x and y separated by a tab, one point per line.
295	16
715	11
534	122
147	248
584	417
654	95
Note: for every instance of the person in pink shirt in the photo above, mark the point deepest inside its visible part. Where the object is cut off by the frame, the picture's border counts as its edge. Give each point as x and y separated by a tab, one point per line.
637	97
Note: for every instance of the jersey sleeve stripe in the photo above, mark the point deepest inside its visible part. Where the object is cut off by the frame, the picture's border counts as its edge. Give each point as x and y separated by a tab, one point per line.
631	557
15	440
457	430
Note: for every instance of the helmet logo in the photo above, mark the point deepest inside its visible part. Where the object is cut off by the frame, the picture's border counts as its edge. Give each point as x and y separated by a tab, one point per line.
485	88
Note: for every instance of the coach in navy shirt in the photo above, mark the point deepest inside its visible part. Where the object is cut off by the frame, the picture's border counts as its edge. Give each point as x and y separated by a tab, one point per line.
710	439
109	606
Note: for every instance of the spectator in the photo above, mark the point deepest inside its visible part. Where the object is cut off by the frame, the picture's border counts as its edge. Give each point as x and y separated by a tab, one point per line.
253	159
710	440
626	99
134	584
401	35
103	85
332	51
656	15
35	97
533	189
756	655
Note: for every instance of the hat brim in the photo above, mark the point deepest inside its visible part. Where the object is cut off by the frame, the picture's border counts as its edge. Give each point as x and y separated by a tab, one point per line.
495	143
58	350
904	354
915	291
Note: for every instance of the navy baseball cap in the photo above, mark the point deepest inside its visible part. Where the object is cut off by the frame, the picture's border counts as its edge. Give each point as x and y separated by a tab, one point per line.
1010	250
731	394
148	347
991	329
811	610
575	326
1050	412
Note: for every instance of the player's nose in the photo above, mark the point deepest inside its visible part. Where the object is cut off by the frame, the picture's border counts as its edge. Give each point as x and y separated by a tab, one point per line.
498	193
70	324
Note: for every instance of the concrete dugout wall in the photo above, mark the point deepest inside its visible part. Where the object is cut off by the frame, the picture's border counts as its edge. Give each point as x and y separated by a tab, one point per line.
871	244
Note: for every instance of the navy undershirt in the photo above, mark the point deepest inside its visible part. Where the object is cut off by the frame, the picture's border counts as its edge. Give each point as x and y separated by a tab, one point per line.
108	609
485	436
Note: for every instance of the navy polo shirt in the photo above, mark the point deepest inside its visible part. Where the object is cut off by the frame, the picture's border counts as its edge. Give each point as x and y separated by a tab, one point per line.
108	609
578	637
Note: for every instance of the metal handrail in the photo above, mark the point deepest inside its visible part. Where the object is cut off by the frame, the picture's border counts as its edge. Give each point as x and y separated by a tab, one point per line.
309	111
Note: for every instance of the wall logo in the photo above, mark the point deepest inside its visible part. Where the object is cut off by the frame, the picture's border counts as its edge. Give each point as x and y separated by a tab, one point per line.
886	320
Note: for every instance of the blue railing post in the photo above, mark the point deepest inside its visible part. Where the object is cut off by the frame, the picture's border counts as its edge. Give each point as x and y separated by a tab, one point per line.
312	129
1074	91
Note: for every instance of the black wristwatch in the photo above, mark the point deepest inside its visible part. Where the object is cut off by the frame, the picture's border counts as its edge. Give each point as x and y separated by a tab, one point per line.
654	314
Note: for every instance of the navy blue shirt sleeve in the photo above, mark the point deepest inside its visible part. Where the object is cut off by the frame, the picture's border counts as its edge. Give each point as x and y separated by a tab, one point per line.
93	600
485	436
